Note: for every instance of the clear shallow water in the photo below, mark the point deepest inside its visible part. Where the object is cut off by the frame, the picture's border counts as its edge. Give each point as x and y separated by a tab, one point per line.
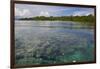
50	42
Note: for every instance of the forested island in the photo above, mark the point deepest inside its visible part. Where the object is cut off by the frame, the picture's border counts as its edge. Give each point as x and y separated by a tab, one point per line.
88	20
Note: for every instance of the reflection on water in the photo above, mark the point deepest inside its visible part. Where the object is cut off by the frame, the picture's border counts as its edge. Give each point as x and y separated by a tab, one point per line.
48	42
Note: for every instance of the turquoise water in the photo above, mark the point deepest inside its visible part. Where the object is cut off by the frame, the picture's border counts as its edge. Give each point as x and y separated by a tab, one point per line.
51	42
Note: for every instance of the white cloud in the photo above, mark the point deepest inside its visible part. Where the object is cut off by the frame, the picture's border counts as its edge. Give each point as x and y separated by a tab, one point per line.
83	13
22	12
26	10
17	12
44	13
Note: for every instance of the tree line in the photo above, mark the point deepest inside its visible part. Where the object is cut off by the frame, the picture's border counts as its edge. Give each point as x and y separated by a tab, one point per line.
89	20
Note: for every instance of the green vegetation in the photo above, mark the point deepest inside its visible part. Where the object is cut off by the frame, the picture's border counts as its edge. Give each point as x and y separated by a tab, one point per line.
87	20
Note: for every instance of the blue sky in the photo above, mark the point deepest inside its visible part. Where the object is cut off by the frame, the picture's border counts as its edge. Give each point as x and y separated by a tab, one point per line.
27	10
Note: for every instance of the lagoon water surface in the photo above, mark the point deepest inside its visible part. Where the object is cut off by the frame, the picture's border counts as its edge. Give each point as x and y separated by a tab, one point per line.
52	42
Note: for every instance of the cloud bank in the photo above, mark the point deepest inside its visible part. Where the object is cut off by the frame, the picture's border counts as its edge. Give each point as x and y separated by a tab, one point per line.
27	10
